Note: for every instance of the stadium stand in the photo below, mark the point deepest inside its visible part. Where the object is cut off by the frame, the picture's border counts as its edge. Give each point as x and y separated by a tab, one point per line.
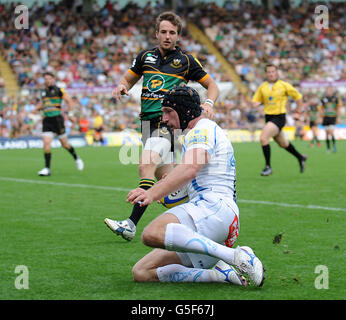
87	51
83	51
250	36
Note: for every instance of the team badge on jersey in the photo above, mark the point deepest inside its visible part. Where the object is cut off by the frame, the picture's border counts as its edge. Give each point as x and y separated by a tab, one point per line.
176	63
163	131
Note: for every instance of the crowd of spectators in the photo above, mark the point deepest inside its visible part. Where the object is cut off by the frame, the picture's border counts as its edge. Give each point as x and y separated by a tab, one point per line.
95	49
250	36
82	50
19	118
2	86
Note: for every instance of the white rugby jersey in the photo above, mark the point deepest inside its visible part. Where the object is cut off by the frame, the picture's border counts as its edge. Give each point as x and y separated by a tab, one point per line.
219	174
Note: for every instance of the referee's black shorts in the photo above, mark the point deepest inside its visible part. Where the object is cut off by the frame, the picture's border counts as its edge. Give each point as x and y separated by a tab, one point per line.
54	124
278	119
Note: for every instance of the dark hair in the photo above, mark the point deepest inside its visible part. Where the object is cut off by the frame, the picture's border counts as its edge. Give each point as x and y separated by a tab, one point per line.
172	18
49	74
270	65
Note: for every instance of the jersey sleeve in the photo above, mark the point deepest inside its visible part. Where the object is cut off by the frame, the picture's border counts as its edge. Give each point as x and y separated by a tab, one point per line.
293	92
62	92
136	66
258	96
200	138
339	102
196	71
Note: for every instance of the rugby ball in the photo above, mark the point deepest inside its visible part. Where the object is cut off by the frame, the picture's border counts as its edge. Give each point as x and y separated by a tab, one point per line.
175	198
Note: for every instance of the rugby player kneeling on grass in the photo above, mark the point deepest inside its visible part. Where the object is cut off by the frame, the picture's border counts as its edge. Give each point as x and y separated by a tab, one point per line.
193	241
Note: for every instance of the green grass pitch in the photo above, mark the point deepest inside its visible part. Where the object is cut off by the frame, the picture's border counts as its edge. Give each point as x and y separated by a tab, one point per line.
54	226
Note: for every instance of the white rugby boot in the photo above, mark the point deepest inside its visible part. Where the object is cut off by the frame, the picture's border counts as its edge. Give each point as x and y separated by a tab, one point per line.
226	273
79	164
44	172
267	171
247	263
122	228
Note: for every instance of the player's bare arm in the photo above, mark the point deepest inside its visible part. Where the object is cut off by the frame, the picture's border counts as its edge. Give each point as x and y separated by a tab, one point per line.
255	104
338	112
212	95
125	84
70	103
299	105
193	161
321	115
39	106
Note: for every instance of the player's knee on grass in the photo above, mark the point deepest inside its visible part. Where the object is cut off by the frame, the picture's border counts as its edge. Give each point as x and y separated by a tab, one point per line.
141	274
144	271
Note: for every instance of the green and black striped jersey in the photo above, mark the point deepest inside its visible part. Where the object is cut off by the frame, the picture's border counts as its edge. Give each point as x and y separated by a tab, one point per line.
52	99
313	110
161	74
330	104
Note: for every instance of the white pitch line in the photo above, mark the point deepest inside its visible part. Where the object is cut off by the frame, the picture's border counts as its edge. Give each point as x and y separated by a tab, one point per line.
291	205
87	186
62	184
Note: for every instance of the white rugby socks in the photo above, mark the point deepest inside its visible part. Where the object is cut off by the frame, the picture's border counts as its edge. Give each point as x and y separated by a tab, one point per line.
179	273
181	238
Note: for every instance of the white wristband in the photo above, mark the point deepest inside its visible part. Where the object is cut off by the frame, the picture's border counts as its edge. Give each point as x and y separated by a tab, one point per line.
211	102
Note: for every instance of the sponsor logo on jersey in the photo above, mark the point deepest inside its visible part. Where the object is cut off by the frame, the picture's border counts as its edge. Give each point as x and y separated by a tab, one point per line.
150	58
155	83
198	136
